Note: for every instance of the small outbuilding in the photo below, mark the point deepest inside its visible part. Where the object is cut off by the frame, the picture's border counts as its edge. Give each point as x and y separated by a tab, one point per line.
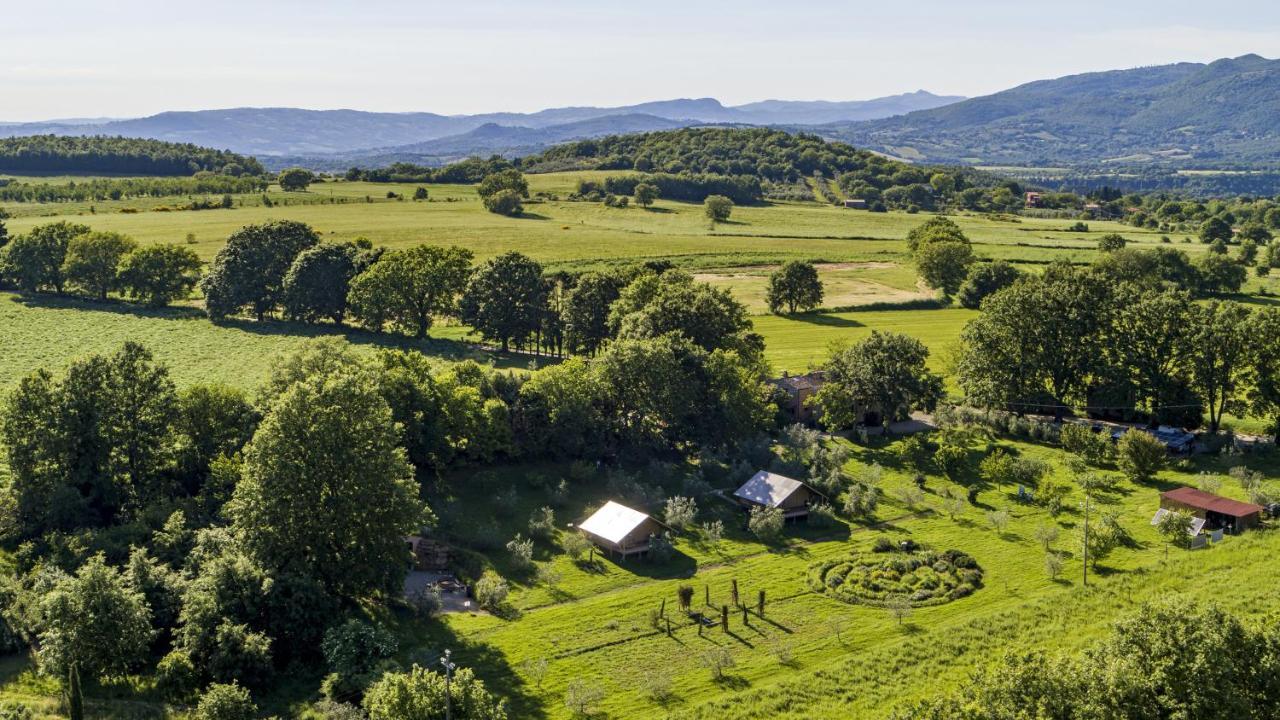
799	389
1218	513
855	204
765	489
620	529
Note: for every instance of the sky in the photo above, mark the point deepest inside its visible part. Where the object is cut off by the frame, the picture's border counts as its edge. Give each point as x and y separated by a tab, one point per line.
123	58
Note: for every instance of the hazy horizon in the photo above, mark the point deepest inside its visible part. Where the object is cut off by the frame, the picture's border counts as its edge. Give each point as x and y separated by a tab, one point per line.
136	58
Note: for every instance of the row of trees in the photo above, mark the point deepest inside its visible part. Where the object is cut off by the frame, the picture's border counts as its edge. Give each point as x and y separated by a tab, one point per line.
104	189
945	260
61	255
1076	337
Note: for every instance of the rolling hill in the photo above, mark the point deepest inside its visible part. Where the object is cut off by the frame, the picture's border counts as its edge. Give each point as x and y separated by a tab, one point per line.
1223	113
309	133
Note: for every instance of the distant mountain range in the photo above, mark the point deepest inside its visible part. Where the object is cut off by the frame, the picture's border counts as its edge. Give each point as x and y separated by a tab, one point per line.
268	132
1225	113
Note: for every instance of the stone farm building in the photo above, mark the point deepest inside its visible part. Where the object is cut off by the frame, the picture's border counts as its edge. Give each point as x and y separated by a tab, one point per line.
766	489
799	389
620	529
1218	513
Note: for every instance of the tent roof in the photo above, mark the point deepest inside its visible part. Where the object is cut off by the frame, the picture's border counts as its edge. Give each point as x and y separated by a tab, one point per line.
613	522
770	489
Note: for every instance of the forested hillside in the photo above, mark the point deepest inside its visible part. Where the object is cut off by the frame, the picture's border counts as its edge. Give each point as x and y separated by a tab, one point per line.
782	165
117	156
1223	113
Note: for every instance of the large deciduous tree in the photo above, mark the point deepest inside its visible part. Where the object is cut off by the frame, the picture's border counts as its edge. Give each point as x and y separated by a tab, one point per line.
409	288
84	447
794	286
586	311
1264	397
250	269
1223	340
160	274
94	621
93	261
986	279
504	299
34	261
1148	345
327	492
884	374
295	179
319	279
655	305
1036	343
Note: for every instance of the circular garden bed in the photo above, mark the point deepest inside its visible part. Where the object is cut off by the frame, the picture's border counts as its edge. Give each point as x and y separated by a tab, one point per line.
923	577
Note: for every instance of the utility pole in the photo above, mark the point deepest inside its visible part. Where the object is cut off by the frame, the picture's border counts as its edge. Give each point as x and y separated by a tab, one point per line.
449	667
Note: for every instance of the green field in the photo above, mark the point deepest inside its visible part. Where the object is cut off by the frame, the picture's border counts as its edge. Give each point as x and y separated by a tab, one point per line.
809	656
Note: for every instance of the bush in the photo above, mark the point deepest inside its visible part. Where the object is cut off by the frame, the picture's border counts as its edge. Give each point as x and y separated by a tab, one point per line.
491	590
1092	447
419	694
1140	455
176	677
521	551
505	202
542	524
226	702
718	208
355	647
765	523
680	512
575	545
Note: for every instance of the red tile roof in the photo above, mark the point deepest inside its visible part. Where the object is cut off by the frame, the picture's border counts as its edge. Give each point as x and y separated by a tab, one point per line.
1202	500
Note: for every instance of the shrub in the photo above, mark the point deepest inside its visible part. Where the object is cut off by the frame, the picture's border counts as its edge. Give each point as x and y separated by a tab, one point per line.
491	590
419	694
542	523
1140	455
680	512
575	545
176	677
354	647
660	547
1092	447
521	551
226	702
765	523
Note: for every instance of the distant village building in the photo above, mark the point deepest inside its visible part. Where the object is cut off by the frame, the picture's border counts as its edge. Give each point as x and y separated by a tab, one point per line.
620	529
1034	200
771	490
1093	208
1214	511
798	390
855	204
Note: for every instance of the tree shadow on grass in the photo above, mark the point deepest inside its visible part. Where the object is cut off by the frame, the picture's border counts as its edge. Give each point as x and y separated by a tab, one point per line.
427	641
530	216
436	347
732	682
824	320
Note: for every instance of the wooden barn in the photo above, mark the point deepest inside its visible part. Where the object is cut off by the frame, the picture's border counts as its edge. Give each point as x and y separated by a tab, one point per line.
766	489
1218	513
620	529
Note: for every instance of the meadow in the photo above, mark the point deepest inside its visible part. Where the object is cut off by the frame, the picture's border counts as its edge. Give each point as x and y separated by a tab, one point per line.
590	625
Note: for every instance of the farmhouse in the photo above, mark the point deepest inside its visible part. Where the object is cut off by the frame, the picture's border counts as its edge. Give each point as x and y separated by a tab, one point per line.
619	529
1034	200
798	390
766	489
1218	513
855	204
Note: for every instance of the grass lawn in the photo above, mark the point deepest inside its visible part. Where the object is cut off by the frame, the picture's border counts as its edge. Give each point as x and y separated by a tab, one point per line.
810	655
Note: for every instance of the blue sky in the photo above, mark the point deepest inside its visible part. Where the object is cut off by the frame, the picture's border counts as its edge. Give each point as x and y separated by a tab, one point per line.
81	58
